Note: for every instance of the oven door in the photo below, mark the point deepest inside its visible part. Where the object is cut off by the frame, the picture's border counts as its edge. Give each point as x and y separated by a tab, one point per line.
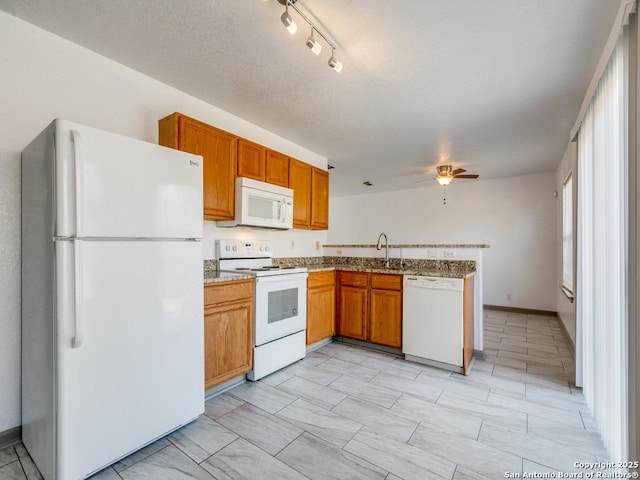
281	306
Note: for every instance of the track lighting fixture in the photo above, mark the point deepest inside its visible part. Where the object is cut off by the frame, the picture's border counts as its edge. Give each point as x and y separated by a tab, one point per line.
311	42
287	21
334	63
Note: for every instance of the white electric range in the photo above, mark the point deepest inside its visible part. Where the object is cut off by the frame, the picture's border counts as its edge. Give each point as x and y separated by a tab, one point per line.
280	304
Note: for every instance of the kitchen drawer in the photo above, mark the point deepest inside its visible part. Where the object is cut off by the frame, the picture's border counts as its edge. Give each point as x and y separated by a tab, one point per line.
355	279
319	279
227	292
386	281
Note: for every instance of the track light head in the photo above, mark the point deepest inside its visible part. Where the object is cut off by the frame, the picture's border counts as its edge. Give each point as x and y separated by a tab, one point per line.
288	22
313	44
334	63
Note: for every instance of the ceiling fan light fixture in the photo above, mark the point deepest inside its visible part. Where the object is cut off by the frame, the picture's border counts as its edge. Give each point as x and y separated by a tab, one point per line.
444	181
444	170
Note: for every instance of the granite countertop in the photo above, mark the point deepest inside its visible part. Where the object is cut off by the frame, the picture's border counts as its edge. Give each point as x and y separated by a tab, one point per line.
426	267
432	268
213	275
219	277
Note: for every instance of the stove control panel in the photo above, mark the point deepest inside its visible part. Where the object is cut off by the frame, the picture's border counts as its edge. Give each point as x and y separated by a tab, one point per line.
241	249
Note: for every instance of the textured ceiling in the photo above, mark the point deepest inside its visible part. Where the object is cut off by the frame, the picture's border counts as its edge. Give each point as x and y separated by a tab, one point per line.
493	86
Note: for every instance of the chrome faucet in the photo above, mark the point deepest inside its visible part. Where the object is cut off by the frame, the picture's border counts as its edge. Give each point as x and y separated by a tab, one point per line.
386	247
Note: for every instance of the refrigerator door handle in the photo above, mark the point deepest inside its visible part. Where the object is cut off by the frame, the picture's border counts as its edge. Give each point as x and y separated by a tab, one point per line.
77	139
78	294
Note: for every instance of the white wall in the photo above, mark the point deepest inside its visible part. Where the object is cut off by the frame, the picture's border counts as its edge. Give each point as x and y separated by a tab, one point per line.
516	216
43	77
565	308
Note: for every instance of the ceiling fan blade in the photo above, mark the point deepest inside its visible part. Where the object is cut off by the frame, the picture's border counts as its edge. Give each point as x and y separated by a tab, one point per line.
457	171
466	176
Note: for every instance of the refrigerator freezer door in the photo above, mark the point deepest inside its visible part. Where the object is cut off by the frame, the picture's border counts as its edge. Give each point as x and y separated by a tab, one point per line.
114	186
138	372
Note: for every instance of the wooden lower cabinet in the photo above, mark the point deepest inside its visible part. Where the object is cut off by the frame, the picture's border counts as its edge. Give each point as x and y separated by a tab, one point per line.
370	307
228	331
385	319
353	312
321	305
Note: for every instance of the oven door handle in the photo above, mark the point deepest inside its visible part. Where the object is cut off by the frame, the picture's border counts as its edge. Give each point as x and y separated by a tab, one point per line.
288	277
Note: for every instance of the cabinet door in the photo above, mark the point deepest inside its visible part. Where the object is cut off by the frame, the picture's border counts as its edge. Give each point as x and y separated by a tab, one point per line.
319	199
251	160
385	322
353	312
277	169
218	149
300	182
228	337
321	304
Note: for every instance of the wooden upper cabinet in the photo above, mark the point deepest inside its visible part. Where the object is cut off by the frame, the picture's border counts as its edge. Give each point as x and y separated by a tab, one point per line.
277	169
251	160
300	182
219	151
319	199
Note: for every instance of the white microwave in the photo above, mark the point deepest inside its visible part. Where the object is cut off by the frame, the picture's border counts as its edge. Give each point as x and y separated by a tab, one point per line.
260	204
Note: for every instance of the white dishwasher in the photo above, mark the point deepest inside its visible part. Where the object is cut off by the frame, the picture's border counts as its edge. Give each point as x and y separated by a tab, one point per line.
432	323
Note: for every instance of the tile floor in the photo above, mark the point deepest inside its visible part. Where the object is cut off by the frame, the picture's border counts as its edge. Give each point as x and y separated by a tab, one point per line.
345	412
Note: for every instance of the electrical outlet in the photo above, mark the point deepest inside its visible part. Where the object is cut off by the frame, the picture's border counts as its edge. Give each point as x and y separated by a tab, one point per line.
293	244
317	244
338	252
432	253
449	254
508	297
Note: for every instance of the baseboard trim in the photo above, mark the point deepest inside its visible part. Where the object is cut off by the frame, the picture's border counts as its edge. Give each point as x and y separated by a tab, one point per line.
528	311
572	346
223	387
479	354
367	345
319	344
11	436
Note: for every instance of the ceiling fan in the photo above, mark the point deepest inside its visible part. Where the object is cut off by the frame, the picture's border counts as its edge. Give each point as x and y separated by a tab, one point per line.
446	174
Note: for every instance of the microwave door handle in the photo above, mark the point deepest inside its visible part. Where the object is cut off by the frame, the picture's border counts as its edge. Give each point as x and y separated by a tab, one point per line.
288	207
283	209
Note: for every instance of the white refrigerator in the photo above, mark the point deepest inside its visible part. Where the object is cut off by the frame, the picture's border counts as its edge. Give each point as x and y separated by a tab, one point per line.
112	297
